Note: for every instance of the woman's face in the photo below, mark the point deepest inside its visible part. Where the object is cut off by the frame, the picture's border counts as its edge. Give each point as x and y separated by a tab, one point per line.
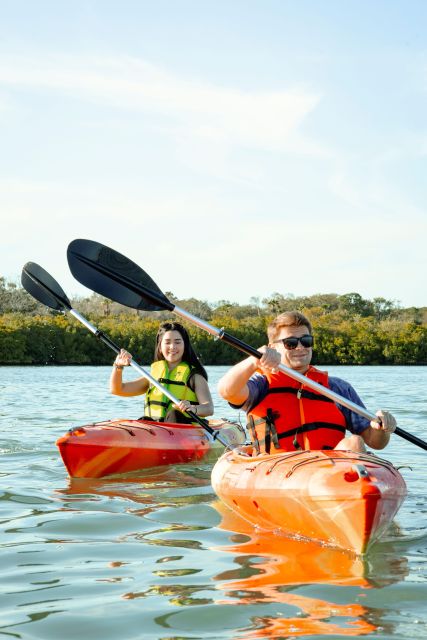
172	347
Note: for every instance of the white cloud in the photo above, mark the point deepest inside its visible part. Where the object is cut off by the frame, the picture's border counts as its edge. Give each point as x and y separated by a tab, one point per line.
260	119
264	222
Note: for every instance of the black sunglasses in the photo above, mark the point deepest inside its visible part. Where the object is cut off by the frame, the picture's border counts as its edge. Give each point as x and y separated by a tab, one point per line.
292	342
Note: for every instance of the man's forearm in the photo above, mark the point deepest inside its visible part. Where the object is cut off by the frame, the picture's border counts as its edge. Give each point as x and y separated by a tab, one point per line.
233	385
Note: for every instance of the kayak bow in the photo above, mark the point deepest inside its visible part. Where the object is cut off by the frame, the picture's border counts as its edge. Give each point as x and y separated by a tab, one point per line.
340	498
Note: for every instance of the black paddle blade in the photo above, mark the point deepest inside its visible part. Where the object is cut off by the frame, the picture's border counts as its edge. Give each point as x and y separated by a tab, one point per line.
40	284
114	276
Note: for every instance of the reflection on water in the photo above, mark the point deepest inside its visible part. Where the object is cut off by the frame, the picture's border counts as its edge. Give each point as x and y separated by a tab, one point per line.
273	567
269	572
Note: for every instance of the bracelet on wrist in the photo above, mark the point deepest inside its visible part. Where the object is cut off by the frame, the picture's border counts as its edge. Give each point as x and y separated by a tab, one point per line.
119	366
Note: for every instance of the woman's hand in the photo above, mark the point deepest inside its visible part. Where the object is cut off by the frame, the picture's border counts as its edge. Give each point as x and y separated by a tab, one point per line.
117	385
185	405
123	359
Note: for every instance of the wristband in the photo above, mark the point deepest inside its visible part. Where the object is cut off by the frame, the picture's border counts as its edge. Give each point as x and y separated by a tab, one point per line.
119	366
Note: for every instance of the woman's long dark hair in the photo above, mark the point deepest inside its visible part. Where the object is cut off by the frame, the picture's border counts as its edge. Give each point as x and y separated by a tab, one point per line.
189	354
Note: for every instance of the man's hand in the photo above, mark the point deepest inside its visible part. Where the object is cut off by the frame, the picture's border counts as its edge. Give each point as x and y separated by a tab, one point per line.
270	359
386	423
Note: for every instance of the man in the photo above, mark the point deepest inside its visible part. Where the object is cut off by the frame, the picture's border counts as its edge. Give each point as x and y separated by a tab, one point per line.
285	414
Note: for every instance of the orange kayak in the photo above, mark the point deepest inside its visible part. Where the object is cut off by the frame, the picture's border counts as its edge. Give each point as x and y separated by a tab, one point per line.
347	500
122	446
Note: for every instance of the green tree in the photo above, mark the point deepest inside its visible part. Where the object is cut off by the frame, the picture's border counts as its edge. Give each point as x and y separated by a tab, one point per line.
348	329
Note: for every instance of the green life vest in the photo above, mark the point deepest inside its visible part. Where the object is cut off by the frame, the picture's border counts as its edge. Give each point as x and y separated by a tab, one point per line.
157	405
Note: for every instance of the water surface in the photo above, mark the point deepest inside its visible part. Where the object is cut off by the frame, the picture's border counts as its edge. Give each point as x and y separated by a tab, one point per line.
156	557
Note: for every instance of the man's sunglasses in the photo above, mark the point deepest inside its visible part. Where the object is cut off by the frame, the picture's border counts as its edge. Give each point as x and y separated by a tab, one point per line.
292	342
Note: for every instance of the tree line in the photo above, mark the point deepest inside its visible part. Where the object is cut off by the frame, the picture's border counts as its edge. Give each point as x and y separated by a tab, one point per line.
348	329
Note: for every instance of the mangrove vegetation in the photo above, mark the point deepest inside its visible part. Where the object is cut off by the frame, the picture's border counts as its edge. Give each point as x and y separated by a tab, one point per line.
348	329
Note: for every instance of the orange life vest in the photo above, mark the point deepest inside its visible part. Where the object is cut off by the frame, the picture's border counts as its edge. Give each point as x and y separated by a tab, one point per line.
292	416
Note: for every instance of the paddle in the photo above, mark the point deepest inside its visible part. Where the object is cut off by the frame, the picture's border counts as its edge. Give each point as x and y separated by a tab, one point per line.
114	276
40	284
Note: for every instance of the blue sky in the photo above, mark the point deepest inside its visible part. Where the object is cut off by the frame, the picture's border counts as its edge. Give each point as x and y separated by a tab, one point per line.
231	148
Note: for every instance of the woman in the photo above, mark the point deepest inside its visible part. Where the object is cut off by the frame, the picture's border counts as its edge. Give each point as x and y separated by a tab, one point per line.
178	368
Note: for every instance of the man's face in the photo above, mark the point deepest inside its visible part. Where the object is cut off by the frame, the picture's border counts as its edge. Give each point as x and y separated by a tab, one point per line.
298	358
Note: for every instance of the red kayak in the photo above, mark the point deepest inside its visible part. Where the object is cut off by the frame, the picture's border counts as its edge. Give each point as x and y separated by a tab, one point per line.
339	498
121	446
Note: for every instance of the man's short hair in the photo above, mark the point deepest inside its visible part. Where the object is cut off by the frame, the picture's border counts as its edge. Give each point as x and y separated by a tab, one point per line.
287	319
